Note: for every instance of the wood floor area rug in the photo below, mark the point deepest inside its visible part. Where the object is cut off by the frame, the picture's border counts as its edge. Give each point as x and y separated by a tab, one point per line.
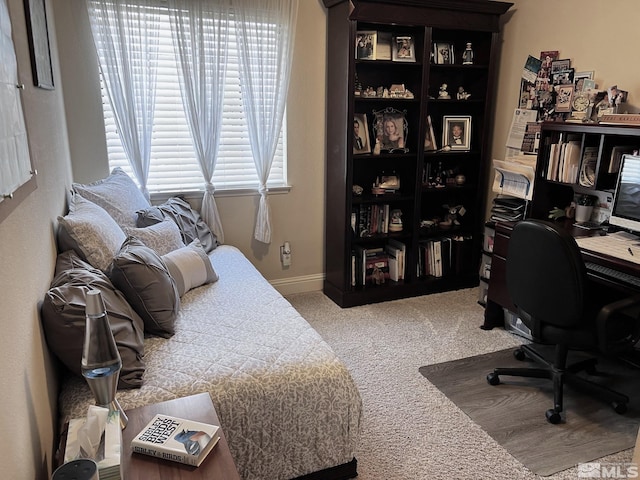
513	413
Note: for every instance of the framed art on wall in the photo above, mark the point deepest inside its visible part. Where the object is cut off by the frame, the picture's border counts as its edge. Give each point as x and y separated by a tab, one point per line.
38	33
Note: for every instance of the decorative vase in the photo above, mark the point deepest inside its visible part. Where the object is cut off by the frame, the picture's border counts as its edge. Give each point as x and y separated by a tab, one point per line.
101	362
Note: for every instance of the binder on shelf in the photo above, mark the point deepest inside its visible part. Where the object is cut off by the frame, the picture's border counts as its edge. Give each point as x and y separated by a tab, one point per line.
514	177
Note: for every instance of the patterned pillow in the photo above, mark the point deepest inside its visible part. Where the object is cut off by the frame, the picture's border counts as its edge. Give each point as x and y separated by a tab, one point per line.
117	194
190	267
189	221
90	231
141	275
163	237
63	318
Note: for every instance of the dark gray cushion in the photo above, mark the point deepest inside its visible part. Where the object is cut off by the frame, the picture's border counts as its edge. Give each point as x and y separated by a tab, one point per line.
188	220
141	275
63	318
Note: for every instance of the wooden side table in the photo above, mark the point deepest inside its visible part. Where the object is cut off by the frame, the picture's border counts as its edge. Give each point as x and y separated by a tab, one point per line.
218	464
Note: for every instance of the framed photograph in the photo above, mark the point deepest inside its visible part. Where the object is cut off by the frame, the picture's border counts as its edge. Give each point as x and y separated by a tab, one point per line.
38	33
559	65
580	77
390	128
564	97
366	44
430	144
562	77
403	49
547	58
443	53
361	142
456	132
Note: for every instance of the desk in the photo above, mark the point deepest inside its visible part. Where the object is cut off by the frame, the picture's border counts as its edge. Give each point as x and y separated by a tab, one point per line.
498	296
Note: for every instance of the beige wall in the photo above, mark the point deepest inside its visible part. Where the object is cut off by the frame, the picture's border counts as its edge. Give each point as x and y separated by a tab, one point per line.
28	391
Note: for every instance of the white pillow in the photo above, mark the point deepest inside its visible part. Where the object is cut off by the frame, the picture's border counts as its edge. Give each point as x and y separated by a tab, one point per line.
190	267
91	232
163	237
117	194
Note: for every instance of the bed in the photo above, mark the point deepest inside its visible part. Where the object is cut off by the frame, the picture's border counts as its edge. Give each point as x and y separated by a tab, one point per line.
288	406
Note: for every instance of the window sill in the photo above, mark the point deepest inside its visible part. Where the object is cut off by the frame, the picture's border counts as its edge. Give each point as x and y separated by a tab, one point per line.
160	197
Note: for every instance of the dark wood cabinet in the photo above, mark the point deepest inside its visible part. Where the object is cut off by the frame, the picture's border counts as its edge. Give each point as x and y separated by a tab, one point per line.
428	186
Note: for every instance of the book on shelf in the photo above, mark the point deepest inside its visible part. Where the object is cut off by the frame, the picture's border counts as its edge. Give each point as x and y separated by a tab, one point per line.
588	170
176	439
399	251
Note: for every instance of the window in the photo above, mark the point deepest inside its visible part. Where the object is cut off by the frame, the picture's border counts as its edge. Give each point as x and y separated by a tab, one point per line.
174	167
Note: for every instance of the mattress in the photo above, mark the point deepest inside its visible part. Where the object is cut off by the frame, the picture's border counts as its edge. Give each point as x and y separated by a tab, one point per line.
288	406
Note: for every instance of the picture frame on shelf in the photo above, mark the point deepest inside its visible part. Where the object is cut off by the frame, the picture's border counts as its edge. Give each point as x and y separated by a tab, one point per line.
383	46
430	144
579	79
563	77
366	44
390	130
456	132
443	53
564	97
560	65
403	49
361	141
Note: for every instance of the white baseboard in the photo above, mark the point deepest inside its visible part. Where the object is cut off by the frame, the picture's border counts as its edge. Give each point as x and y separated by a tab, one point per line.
306	283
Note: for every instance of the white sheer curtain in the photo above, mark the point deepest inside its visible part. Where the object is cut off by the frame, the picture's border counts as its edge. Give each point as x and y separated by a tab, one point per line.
129	71
200	30
265	31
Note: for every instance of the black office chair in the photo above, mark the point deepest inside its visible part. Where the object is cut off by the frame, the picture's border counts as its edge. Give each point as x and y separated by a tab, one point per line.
547	281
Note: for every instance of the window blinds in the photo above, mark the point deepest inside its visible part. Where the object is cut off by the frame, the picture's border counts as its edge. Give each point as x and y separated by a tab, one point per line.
174	167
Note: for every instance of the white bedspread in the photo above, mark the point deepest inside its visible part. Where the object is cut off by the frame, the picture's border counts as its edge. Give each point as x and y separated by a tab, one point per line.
288	406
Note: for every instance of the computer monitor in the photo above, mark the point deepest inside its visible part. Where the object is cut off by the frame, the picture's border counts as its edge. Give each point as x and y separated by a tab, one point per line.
626	200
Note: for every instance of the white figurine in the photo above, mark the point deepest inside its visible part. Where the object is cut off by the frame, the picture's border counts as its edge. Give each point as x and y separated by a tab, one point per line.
443	94
462	95
467	55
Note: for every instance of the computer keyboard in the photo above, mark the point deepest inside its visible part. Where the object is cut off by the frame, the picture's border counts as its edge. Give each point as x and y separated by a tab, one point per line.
613	274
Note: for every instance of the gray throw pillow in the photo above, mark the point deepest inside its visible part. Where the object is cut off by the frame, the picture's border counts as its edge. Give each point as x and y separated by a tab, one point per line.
63	318
188	220
141	275
163	237
190	267
117	194
90	231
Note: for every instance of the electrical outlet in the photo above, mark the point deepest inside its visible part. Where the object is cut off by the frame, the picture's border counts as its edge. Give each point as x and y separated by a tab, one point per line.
285	254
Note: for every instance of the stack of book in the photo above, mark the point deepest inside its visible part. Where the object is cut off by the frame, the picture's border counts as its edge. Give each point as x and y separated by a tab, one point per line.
379	265
438	257
508	209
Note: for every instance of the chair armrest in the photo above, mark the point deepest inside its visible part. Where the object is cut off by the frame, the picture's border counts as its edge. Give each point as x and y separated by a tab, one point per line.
605	314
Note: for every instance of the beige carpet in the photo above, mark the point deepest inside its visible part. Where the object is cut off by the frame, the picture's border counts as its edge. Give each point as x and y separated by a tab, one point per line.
411	430
513	412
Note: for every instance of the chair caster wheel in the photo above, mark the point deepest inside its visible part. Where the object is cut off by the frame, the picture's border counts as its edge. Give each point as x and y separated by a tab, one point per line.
553	416
619	408
519	354
493	379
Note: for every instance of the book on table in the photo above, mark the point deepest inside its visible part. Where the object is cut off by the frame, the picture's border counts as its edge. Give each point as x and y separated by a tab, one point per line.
176	439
